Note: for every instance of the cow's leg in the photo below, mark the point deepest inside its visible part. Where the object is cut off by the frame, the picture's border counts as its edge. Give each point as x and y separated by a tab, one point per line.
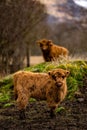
22	101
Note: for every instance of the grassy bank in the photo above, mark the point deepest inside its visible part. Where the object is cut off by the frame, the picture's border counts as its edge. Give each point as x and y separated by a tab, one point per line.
78	69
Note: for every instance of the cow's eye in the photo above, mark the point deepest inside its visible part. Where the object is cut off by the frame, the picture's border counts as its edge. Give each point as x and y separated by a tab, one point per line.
63	77
54	77
41	45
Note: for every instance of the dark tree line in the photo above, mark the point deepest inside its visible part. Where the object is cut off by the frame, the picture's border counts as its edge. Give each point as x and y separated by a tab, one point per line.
18	18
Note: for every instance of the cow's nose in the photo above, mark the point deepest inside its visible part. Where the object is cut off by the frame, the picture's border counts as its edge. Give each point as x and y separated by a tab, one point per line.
44	48
58	84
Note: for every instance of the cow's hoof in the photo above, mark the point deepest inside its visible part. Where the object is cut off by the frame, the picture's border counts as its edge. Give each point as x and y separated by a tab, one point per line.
22	115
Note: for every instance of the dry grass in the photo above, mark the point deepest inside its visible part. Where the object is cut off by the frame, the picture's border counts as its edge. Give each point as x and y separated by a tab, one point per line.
39	59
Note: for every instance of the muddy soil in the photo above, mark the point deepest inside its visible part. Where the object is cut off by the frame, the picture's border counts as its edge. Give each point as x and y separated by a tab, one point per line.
74	117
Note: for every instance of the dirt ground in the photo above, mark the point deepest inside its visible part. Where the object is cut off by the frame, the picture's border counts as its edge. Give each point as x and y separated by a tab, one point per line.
74	117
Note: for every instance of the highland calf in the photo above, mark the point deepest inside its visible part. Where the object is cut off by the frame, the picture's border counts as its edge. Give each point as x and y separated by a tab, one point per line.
51	51
49	86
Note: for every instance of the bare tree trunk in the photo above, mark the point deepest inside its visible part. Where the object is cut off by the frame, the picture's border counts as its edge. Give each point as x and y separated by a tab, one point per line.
28	54
7	64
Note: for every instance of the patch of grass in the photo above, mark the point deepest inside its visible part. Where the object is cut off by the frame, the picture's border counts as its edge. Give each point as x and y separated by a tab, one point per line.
72	86
7	105
4	97
32	100
6	89
37	68
75	80
5	93
60	109
8	80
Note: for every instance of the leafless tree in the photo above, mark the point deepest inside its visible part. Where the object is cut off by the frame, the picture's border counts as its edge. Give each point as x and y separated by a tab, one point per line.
17	20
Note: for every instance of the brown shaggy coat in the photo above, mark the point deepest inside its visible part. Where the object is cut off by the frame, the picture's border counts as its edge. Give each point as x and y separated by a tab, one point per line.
51	51
49	86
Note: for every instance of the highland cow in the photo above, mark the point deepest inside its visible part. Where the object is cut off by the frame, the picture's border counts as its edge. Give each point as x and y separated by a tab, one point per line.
51	51
49	86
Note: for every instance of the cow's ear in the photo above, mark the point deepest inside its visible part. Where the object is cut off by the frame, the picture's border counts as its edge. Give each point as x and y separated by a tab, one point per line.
49	42
49	72
67	73
38	42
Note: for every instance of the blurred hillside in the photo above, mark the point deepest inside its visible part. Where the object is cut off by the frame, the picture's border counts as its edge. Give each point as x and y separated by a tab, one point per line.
68	24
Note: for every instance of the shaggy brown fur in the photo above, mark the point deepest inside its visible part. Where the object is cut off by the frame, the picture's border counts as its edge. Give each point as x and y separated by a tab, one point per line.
51	51
49	86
